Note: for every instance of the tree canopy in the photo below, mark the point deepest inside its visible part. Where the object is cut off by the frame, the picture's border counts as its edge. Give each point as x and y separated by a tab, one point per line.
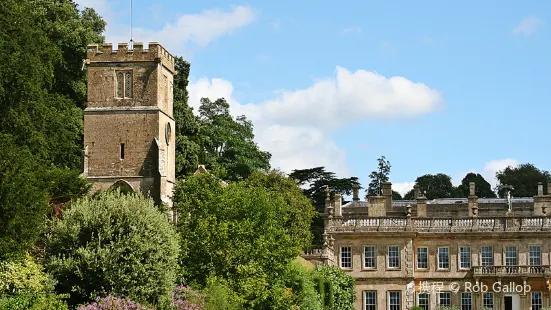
23	198
42	88
228	143
378	176
224	144
483	189
246	232
314	181
524	178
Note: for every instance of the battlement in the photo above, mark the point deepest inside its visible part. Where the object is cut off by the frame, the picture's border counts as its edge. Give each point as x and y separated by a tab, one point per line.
155	52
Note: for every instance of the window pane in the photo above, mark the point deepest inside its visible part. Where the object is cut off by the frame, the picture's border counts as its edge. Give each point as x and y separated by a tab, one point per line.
120	85
535	256
465	258
487	254
423	301
422	258
537	301
346	257
393	257
370	298
488	300
394	300
370	257
443	258
128	85
444	299
466	301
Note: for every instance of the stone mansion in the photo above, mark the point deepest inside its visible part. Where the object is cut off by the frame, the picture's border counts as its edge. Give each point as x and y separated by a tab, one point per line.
468	252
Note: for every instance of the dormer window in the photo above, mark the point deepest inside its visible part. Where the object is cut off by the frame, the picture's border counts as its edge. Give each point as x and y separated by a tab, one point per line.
124	84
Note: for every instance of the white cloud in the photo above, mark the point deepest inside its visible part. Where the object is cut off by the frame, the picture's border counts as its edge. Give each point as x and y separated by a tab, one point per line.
493	166
488	171
352	30
296	126
528	26
403	187
177	36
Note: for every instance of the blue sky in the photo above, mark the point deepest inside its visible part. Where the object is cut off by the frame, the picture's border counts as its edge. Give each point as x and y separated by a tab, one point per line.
434	86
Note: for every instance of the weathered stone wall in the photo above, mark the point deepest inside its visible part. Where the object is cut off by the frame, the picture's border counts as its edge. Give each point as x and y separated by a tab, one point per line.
138	118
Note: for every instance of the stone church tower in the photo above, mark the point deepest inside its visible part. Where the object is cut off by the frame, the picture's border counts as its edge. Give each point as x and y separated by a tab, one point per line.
128	122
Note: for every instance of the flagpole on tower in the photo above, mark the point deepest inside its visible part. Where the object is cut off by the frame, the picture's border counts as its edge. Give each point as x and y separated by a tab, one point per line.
131	39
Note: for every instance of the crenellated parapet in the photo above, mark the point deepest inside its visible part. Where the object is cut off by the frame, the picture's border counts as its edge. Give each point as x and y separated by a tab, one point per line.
106	53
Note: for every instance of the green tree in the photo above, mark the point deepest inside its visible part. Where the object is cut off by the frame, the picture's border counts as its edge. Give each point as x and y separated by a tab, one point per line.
188	148
228	143
295	289
23	198
436	185
240	232
298	212
339	288
317	179
483	189
115	244
524	178
396	196
42	44
379	176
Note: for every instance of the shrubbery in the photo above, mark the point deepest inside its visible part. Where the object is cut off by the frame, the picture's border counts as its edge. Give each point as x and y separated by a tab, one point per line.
115	244
33	301
23	275
338	288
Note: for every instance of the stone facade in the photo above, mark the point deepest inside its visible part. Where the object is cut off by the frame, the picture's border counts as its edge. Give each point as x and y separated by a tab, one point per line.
435	252
128	122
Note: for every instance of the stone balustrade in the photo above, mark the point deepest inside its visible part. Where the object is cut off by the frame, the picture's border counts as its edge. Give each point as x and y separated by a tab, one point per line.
512	224
512	271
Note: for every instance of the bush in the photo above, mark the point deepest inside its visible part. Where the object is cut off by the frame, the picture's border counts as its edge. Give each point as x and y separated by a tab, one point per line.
339	288
117	245
33	301
218	295
448	308
113	303
416	308
24	275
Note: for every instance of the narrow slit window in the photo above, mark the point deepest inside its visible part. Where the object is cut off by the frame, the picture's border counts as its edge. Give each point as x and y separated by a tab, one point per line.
122	150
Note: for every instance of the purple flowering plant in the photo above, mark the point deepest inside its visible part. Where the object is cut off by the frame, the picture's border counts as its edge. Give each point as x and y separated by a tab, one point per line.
113	303
183	298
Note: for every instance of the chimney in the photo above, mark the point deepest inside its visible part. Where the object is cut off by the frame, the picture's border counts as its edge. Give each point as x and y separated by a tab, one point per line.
415	191
386	189
472	189
542	203
338	205
356	193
